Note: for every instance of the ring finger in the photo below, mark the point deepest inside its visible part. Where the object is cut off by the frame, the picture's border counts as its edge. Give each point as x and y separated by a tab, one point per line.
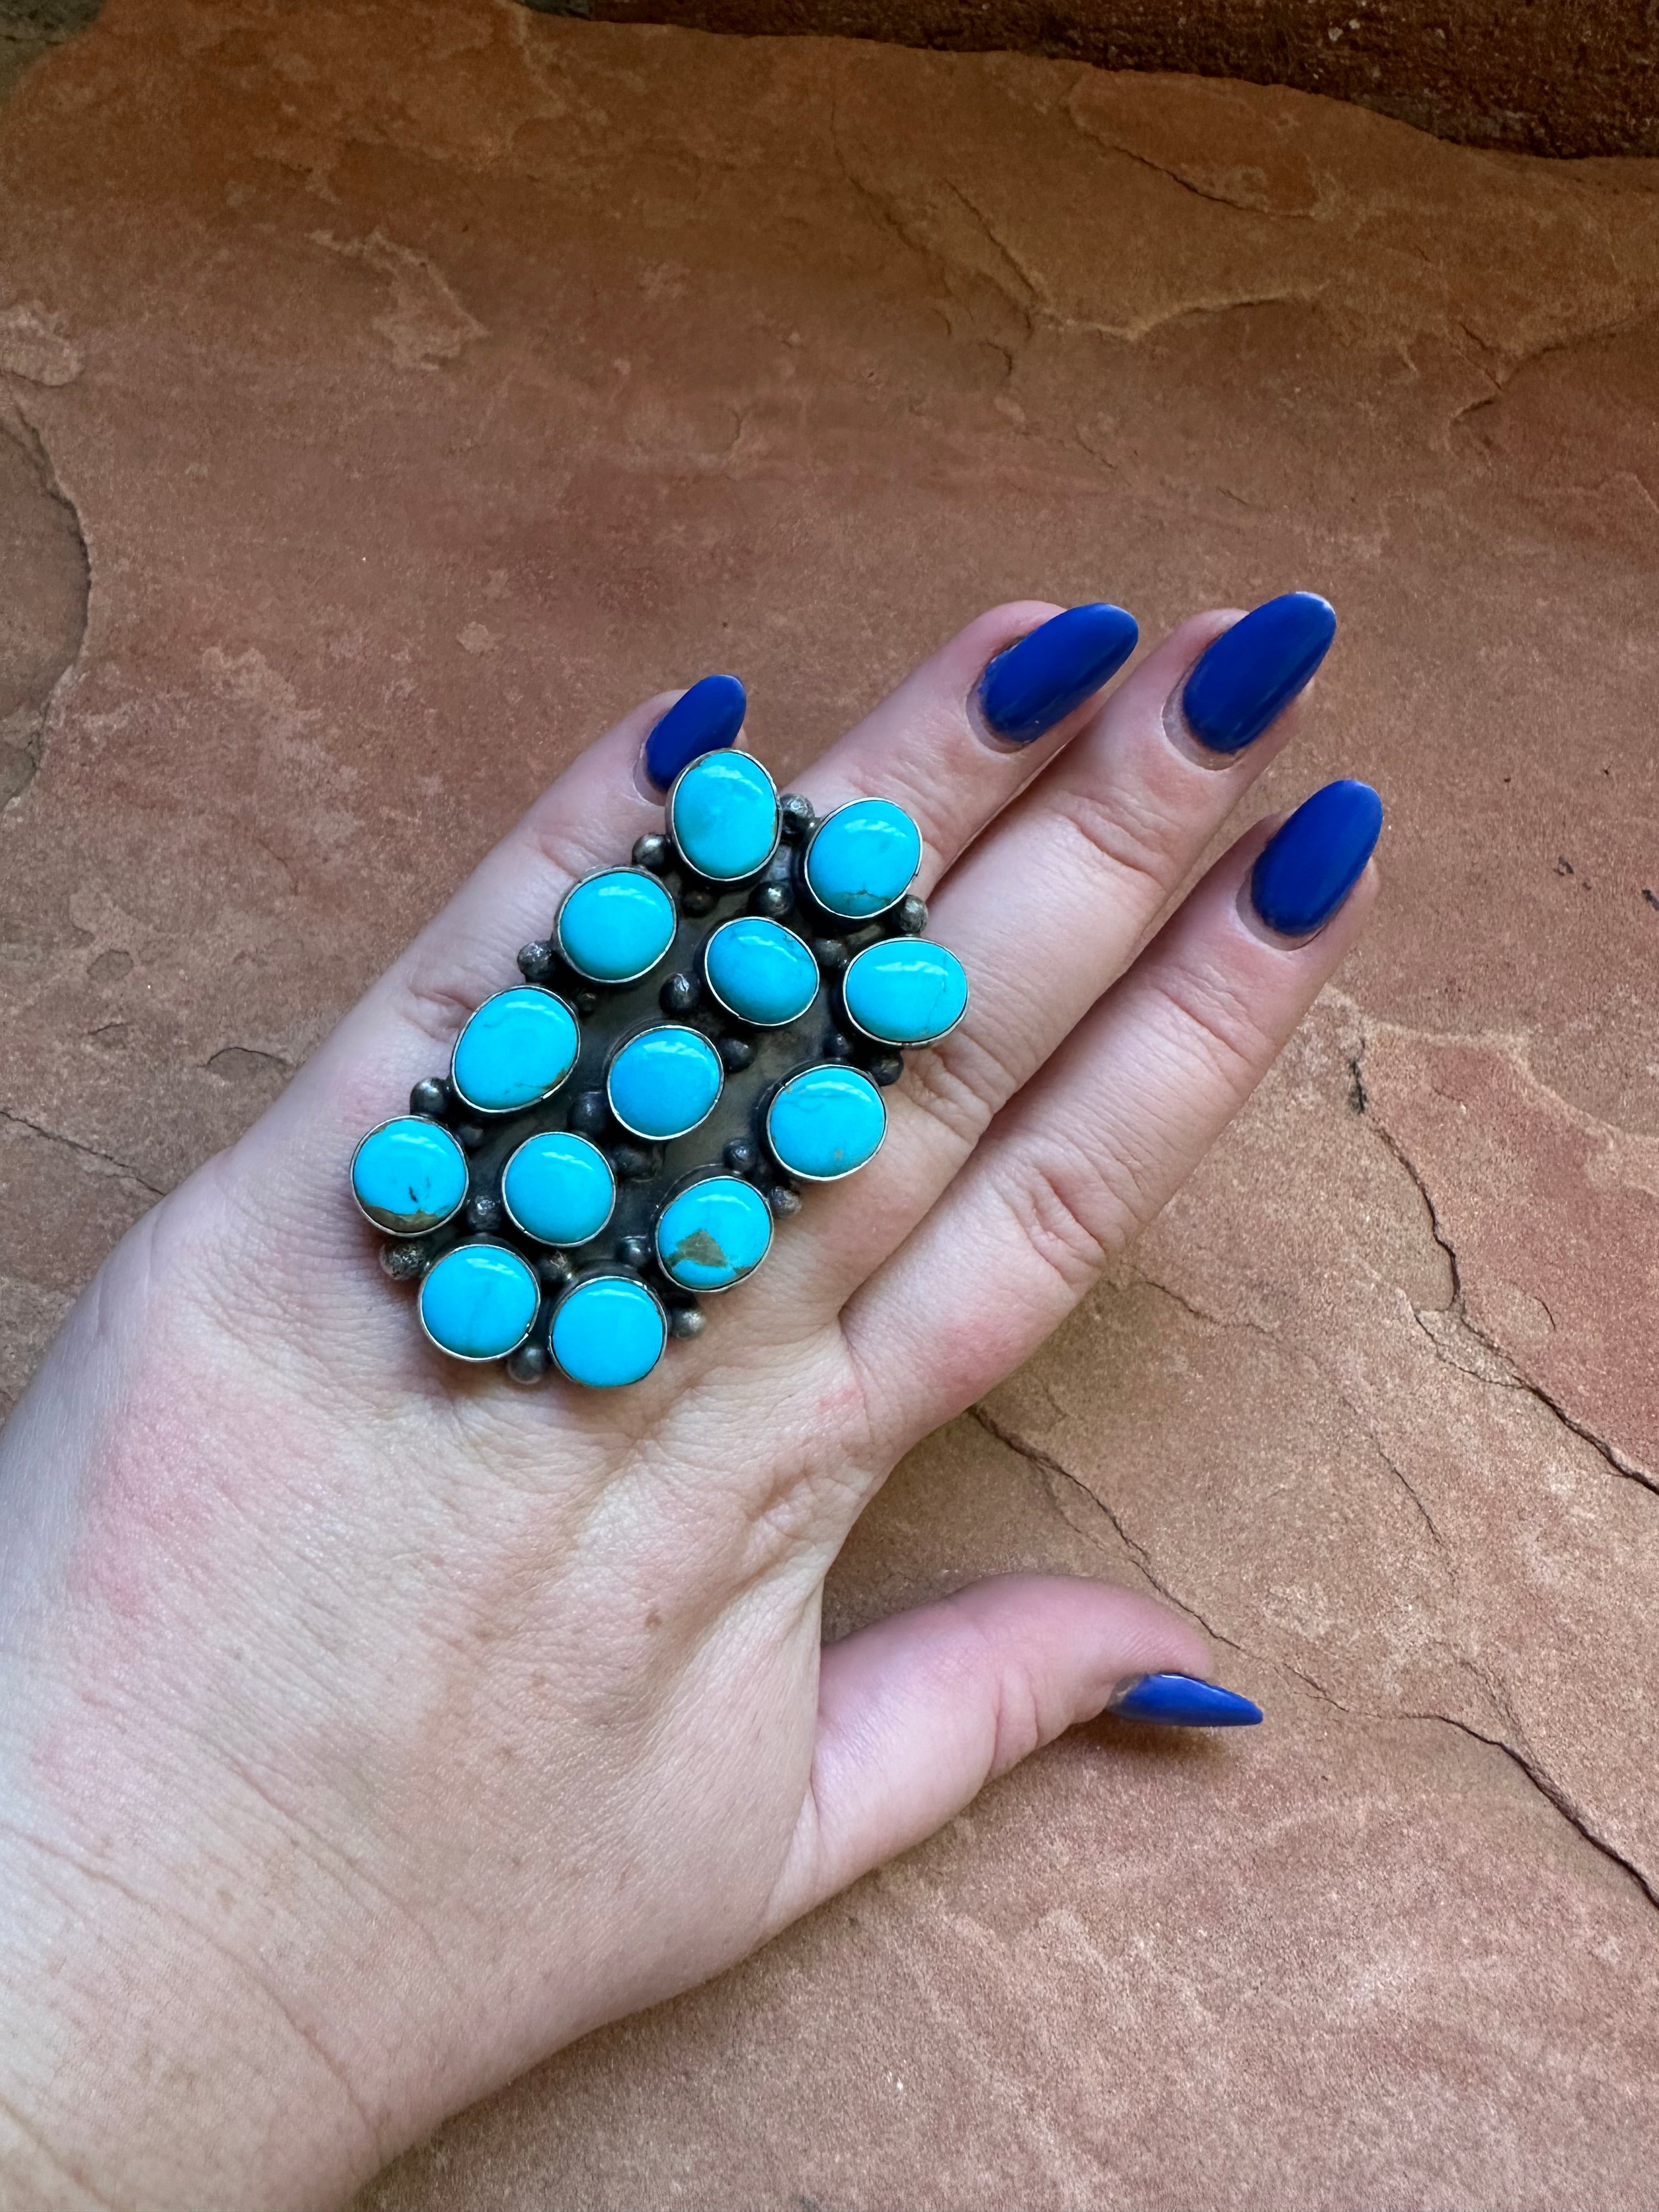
1048	907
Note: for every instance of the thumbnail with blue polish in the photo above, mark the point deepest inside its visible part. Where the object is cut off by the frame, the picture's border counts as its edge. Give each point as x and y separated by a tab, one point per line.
701	720
409	1175
1038	682
663	1082
1183	1701
760	971
1310	863
559	1188
516	1049
478	1301
863	858
1253	671
723	812
615	926
607	1332
713	1234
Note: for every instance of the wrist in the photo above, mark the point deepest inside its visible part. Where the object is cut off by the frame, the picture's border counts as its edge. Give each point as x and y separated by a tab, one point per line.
148	2052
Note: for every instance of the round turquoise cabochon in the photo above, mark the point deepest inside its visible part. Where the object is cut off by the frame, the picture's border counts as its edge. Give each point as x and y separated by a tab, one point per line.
478	1301
409	1175
905	991
608	1331
824	1122
863	858
760	971
615	926
663	1082
559	1188
713	1234
723	812
517	1048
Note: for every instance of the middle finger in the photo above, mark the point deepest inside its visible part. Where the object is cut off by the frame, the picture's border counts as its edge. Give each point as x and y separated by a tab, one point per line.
1047	910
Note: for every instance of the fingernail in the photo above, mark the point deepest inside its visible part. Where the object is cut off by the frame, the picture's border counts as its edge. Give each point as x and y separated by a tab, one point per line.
1255	669
1311	862
1037	683
701	720
1183	1701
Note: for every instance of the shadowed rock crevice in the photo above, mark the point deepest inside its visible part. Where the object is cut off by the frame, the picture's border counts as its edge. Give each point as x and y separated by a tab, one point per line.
87	1151
1056	1472
1457	1337
1446	1660
45	583
1562	77
1519	1754
29	28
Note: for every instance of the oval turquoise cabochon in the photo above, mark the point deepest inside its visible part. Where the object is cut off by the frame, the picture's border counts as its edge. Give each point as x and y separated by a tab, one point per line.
608	1331
723	812
713	1234
663	1082
479	1301
409	1175
615	926
760	971
905	991
559	1188
825	1122
517	1048
863	858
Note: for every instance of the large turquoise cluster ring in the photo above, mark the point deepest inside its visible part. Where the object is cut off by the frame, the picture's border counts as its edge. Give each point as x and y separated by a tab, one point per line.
705	1031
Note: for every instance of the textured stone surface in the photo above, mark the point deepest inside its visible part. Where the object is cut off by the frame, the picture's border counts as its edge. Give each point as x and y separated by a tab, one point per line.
29	28
1543	76
444	378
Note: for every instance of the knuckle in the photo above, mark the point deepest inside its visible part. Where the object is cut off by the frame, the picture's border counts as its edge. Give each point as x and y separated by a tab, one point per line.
960	1084
565	851
444	978
1140	848
435	1001
1214	1020
1072	1215
1021	1726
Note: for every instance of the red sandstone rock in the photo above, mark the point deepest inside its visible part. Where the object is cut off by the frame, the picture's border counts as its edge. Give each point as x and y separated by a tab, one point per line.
1548	76
430	384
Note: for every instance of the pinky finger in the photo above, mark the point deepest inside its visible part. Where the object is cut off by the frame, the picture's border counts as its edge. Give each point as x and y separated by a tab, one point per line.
1087	1153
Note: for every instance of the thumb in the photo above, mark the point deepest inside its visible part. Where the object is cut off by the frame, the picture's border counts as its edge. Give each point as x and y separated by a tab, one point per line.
918	1713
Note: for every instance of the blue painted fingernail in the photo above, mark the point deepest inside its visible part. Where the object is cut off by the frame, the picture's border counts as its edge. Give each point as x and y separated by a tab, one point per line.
1311	862
701	720
1037	683
1255	669
1183	1701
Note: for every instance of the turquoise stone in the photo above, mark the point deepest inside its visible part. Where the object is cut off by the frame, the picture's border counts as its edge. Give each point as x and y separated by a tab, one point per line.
863	858
559	1188
615	926
608	1331
723	812
824	1122
760	971
664	1082
517	1049
409	1175
713	1234
905	991
479	1301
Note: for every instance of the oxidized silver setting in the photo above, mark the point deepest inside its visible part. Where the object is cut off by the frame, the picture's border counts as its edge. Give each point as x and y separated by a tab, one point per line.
733	1138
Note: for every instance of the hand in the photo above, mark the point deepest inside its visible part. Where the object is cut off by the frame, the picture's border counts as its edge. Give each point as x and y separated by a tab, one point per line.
372	1727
